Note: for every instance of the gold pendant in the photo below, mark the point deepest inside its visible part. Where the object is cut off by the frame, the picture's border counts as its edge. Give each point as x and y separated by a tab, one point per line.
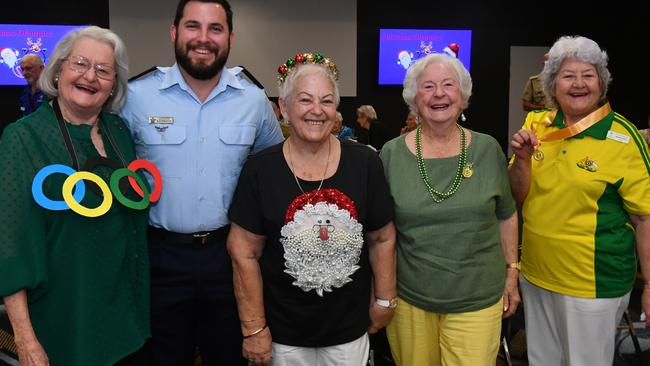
468	171
538	155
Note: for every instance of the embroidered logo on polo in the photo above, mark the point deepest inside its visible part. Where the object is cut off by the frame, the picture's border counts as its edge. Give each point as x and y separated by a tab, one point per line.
322	240
587	164
75	181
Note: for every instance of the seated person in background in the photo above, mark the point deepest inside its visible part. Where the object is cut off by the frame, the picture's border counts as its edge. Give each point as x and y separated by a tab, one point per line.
533	92
368	130
31	66
411	123
341	131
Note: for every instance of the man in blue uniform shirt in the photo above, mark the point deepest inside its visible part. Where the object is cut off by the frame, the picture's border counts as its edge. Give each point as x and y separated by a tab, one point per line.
31	66
197	121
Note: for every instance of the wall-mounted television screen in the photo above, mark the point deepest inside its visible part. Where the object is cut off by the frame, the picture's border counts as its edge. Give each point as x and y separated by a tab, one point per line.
18	40
401	48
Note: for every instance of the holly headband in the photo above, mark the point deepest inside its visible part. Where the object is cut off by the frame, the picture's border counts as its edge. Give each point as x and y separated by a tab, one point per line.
306	58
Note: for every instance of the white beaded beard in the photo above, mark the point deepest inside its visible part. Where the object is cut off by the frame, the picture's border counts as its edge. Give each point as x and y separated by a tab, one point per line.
318	264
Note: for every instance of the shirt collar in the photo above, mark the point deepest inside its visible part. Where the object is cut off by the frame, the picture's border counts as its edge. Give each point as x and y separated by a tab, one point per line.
172	76
598	130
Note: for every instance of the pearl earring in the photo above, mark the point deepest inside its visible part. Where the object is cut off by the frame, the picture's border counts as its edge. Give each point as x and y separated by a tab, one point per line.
462	117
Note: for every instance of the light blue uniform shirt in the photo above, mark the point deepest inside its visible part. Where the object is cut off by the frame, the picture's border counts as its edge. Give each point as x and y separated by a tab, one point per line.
199	147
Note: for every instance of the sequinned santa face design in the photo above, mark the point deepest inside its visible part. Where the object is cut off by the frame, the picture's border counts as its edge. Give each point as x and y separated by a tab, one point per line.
322	241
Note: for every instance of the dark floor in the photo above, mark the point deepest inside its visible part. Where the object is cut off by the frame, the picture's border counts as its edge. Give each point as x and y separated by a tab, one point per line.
517	342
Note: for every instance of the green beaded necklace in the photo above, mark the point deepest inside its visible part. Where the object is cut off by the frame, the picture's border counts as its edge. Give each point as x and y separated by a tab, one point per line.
437	196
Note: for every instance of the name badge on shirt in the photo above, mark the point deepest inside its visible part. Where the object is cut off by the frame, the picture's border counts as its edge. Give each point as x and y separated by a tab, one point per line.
618	137
161	120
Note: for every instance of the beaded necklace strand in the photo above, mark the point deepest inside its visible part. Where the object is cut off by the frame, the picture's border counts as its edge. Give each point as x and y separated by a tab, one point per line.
436	195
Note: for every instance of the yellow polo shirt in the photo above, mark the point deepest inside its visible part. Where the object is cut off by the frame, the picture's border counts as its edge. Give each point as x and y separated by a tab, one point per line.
577	239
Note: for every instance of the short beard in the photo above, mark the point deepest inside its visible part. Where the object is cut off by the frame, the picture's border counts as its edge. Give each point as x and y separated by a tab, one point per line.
201	71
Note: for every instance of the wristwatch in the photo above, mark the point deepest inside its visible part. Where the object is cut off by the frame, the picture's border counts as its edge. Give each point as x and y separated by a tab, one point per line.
389	304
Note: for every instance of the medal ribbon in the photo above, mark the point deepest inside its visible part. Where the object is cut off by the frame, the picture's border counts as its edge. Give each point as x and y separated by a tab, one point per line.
577	127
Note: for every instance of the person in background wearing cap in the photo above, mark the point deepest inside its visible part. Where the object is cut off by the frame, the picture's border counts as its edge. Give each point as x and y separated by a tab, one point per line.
312	238
582	173
31	66
534	93
197	121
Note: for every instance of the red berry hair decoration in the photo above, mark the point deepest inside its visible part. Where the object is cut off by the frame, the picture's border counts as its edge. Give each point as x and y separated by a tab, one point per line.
305	58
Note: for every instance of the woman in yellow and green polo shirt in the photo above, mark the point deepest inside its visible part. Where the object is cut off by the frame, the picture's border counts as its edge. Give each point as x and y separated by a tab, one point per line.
582	173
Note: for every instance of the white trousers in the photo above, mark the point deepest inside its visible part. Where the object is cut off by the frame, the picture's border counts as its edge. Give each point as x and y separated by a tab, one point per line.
353	353
564	330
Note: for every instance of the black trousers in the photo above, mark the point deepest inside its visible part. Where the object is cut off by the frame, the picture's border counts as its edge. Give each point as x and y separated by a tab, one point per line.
192	304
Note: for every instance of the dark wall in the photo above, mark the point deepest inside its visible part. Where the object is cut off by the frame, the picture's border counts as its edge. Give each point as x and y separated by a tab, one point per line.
46	12
621	29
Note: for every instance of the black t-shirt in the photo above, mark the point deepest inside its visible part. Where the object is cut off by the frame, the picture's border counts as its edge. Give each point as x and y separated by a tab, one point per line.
316	272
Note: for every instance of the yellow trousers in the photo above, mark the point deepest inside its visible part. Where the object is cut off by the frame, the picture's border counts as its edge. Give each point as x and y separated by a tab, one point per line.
421	338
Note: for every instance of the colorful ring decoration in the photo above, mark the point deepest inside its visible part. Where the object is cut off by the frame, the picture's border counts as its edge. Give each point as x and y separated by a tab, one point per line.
157	178
76	206
75	180
121	198
37	187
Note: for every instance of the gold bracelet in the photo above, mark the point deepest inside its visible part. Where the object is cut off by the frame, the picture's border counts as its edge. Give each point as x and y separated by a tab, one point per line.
256	332
513	265
252	320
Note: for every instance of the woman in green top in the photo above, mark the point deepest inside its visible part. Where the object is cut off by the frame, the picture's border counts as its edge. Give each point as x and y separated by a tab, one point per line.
75	286
457	226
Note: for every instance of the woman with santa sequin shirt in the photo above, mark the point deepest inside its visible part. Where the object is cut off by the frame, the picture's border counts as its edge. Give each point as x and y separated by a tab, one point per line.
312	239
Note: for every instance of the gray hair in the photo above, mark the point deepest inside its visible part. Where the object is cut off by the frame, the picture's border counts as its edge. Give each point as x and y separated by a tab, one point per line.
48	81
36	59
414	72
368	111
286	88
580	48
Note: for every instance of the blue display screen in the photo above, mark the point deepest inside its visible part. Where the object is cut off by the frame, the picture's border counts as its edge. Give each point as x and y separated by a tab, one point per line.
400	48
18	40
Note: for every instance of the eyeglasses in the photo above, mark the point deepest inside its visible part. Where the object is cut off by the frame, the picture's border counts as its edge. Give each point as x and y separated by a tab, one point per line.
81	64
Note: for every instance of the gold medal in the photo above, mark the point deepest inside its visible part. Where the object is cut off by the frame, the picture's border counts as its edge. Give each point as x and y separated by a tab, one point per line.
468	171
538	155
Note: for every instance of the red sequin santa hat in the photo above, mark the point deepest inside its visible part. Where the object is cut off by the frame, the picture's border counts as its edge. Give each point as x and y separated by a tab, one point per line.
332	196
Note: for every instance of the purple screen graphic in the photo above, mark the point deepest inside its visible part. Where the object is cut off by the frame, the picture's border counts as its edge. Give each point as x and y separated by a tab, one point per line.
400	48
18	40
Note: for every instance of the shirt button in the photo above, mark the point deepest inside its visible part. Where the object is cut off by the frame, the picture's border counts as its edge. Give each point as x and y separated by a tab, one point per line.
201	198
202	140
201	170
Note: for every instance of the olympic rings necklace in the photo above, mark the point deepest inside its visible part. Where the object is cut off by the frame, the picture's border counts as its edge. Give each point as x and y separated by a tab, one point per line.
75	179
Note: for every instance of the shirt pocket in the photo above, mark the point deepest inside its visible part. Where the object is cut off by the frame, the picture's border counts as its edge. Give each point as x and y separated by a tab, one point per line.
163	146
238	141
